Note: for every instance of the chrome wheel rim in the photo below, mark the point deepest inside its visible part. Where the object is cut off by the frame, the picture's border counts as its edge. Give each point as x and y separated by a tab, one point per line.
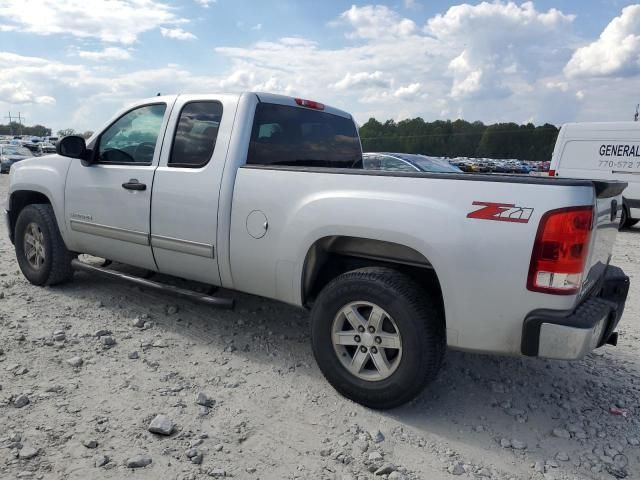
34	251
367	341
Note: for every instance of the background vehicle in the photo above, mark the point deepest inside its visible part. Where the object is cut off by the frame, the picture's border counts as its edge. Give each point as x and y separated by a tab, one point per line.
45	147
607	151
266	194
10	154
406	162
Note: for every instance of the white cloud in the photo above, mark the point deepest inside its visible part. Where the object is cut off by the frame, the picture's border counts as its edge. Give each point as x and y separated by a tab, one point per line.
410	4
492	41
408	92
363	79
497	61
205	3
109	20
108	53
375	21
19	94
257	26
615	53
177	34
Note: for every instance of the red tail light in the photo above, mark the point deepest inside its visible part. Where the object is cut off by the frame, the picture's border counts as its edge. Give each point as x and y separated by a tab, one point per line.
560	251
309	104
552	173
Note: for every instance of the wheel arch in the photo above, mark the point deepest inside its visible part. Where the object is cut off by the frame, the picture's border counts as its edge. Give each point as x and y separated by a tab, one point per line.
331	256
18	200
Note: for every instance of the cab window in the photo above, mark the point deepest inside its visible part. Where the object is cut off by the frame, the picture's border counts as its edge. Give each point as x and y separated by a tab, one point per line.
132	138
196	134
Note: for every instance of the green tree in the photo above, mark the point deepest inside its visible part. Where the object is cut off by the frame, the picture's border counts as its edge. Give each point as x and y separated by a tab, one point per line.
66	132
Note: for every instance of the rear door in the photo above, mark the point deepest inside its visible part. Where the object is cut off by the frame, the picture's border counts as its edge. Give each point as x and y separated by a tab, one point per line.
186	189
107	203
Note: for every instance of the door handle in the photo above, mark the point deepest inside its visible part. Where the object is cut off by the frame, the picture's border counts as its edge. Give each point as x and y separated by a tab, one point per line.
134	184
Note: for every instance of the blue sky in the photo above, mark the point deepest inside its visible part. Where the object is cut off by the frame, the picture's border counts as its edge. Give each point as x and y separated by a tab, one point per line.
73	63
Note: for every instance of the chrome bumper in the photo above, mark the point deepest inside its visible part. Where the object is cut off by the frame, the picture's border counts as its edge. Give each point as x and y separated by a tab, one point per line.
569	343
571	335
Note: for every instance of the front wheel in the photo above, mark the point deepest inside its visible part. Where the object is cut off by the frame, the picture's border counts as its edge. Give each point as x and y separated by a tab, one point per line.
377	337
42	255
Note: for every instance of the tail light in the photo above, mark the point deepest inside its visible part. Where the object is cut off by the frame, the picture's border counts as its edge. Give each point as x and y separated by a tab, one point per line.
309	104
560	251
552	173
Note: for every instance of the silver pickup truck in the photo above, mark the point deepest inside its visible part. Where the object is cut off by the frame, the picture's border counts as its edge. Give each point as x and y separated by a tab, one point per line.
267	194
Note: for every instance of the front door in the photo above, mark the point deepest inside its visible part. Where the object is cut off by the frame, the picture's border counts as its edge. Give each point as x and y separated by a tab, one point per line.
107	203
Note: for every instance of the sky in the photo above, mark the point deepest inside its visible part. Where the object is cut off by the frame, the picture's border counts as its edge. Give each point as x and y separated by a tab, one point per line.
74	63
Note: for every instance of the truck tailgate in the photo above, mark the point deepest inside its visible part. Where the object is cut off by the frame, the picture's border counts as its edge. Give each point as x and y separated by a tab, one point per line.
607	219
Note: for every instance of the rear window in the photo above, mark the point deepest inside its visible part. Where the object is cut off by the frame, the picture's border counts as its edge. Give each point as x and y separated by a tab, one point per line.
294	136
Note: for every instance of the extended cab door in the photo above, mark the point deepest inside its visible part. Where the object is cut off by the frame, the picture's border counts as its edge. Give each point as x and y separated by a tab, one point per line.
186	189
107	202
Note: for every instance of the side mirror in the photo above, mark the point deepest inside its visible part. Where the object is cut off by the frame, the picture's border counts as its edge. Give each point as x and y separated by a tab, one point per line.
72	146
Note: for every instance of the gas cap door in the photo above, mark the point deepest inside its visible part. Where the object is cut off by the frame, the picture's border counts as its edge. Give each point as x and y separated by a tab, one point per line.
257	224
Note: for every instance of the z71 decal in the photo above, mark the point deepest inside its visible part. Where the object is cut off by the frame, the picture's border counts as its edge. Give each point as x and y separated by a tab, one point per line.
501	212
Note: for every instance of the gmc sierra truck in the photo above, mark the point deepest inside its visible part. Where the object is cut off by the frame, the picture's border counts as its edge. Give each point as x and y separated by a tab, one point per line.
267	194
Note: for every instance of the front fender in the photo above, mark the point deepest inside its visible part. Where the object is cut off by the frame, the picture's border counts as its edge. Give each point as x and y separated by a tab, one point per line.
45	175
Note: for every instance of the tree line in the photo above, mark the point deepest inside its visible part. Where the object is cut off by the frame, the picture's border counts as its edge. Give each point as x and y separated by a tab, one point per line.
15	128
441	138
459	138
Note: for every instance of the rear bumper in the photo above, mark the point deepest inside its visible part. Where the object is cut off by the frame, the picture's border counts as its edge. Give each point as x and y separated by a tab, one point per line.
571	335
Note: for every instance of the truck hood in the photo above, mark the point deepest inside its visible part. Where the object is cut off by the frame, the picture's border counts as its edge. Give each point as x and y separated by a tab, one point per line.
55	161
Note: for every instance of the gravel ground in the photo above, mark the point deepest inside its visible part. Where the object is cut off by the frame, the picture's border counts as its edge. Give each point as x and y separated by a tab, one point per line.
90	369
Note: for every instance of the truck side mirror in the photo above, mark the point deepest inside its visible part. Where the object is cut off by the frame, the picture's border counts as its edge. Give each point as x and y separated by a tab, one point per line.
72	146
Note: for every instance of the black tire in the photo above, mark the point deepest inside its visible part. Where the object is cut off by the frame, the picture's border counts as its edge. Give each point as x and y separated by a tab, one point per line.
625	220
419	320
56	267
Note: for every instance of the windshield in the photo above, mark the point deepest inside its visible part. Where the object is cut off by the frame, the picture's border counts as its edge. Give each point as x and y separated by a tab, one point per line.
429	164
15	150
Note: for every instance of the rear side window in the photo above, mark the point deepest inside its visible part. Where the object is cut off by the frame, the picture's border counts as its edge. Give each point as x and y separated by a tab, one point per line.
196	134
284	135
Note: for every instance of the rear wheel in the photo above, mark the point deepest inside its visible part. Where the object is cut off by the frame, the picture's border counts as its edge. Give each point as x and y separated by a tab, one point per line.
42	256
377	336
625	220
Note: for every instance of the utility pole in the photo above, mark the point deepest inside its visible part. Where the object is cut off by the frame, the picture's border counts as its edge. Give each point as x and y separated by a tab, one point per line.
635	117
20	119
10	126
11	118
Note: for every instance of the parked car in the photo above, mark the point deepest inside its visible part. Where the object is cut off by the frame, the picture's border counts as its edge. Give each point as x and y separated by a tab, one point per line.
45	147
266	194
10	154
603	151
406	162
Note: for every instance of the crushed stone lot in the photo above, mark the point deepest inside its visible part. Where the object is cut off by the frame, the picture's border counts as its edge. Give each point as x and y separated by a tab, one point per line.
101	379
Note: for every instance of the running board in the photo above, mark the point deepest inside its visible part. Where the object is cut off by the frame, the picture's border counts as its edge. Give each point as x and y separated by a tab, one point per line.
181	292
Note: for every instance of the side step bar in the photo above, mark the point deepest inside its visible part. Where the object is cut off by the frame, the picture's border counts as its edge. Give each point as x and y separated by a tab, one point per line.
181	292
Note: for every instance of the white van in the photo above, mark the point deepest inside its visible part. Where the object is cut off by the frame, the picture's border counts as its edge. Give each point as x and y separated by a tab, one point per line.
602	151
